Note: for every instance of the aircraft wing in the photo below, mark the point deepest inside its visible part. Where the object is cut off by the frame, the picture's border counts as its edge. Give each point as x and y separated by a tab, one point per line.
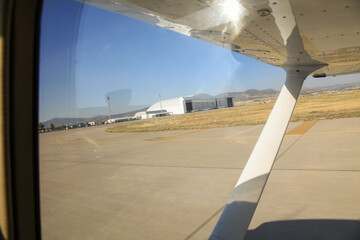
328	31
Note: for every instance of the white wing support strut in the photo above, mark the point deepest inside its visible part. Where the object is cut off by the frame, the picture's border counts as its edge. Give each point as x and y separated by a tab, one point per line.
236	217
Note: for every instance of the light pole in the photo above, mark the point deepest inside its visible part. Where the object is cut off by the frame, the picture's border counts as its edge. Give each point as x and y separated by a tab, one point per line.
160	104
108	102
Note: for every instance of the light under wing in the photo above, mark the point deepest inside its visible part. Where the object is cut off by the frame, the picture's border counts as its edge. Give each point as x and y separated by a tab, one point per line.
318	37
278	32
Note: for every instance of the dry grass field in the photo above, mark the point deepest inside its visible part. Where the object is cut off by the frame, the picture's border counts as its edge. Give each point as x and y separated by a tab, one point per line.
324	106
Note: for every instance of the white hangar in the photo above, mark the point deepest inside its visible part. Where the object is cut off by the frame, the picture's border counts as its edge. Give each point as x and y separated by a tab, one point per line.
181	105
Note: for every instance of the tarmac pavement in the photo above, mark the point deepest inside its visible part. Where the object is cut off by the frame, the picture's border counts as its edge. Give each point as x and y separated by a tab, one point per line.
174	184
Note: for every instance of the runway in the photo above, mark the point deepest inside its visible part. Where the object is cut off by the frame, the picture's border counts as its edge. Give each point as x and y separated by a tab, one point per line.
174	184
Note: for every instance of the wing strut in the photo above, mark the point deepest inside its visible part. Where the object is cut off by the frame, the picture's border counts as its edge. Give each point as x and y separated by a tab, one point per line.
236	217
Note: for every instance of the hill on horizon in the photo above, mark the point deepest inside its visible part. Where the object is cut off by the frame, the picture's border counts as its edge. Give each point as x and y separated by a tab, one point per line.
251	95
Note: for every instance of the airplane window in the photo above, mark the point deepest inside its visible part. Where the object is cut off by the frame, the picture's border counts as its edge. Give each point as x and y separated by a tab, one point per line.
144	131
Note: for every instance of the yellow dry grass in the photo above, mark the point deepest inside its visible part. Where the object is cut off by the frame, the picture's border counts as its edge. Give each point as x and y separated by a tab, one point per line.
328	106
325	106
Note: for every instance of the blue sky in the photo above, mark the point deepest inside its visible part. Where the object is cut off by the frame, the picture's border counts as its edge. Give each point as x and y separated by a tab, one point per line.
88	53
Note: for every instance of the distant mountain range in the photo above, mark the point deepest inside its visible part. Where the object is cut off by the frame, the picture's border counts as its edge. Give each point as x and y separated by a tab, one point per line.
335	86
251	95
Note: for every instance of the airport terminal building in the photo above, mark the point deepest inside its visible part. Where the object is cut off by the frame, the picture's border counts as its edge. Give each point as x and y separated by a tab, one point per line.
183	105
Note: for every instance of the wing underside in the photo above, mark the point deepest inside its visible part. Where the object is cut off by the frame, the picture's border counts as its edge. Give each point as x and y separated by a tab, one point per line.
329	31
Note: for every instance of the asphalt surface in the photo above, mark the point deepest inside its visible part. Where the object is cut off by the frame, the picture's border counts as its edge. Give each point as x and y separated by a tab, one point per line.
174	185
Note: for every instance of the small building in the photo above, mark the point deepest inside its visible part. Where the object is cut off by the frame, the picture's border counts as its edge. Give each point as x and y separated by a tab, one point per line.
116	120
151	114
140	115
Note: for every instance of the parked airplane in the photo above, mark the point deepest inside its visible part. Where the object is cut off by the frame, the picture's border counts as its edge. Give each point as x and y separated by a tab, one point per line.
318	37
